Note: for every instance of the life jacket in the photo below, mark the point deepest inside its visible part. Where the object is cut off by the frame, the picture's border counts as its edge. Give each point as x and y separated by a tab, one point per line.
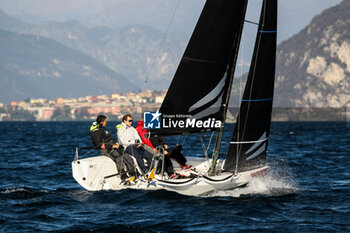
143	134
99	133
94	127
119	126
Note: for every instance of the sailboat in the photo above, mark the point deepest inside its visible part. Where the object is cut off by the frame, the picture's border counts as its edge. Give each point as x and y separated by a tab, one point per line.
201	88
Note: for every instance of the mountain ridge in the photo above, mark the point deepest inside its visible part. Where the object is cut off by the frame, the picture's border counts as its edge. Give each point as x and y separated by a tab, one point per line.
312	67
35	67
130	51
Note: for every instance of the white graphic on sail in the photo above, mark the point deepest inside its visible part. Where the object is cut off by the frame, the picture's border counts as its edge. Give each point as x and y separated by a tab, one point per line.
213	109
259	142
210	96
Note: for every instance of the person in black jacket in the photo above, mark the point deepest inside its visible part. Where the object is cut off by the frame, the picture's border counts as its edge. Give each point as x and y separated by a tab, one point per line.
104	142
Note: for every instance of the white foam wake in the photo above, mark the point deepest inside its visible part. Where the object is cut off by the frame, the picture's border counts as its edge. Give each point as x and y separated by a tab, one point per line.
270	185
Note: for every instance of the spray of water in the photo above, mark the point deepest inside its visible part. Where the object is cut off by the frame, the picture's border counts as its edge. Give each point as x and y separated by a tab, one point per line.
279	182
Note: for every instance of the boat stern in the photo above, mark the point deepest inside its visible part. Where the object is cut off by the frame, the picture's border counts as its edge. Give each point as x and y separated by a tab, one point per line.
96	173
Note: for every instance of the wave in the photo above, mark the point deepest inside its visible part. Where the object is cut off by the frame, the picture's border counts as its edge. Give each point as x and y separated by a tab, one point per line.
24	191
28	192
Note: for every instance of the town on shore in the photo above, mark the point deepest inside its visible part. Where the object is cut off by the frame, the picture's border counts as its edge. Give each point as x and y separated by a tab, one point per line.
83	108
116	105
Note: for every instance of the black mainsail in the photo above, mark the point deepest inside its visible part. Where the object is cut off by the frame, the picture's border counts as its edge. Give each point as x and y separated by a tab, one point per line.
203	79
248	146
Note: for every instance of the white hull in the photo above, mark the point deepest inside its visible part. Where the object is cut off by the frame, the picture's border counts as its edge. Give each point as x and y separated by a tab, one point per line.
99	173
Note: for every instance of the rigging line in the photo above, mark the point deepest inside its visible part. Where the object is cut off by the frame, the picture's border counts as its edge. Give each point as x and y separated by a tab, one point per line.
248	21
240	95
121	164
161	43
255	64
98	145
203	147
178	140
210	141
216	138
183	141
91	150
208	147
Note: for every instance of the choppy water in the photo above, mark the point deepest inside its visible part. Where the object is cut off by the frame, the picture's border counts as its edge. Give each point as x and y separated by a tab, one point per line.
308	189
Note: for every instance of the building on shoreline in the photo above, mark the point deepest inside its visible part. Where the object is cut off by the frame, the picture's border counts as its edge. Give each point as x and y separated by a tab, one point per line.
84	108
116	105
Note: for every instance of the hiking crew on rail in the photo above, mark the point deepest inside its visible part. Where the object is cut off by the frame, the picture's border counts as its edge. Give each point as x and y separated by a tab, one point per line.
132	143
104	142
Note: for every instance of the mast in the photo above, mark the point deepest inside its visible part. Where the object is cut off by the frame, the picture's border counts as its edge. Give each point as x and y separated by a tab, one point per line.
230	76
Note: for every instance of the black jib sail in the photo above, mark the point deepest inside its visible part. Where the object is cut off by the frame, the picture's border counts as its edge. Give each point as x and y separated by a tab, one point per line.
202	80
248	146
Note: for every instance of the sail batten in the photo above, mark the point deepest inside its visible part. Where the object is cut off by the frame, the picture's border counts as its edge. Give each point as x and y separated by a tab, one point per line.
248	146
189	59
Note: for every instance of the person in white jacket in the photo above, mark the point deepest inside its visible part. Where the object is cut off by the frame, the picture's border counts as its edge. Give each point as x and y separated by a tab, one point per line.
132	143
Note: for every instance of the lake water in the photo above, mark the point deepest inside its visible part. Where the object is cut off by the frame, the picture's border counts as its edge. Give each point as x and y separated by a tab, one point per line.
307	190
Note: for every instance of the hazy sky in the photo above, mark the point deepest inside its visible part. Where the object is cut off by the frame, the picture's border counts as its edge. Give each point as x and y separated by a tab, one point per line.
293	14
35	11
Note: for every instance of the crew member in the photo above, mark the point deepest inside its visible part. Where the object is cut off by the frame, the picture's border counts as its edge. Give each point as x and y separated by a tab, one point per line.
104	142
174	153
132	143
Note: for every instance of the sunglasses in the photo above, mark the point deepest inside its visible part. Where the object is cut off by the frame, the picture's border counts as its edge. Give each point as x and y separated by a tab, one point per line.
130	120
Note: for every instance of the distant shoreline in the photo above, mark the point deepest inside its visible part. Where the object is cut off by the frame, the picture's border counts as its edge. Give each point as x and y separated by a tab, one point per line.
306	114
278	115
